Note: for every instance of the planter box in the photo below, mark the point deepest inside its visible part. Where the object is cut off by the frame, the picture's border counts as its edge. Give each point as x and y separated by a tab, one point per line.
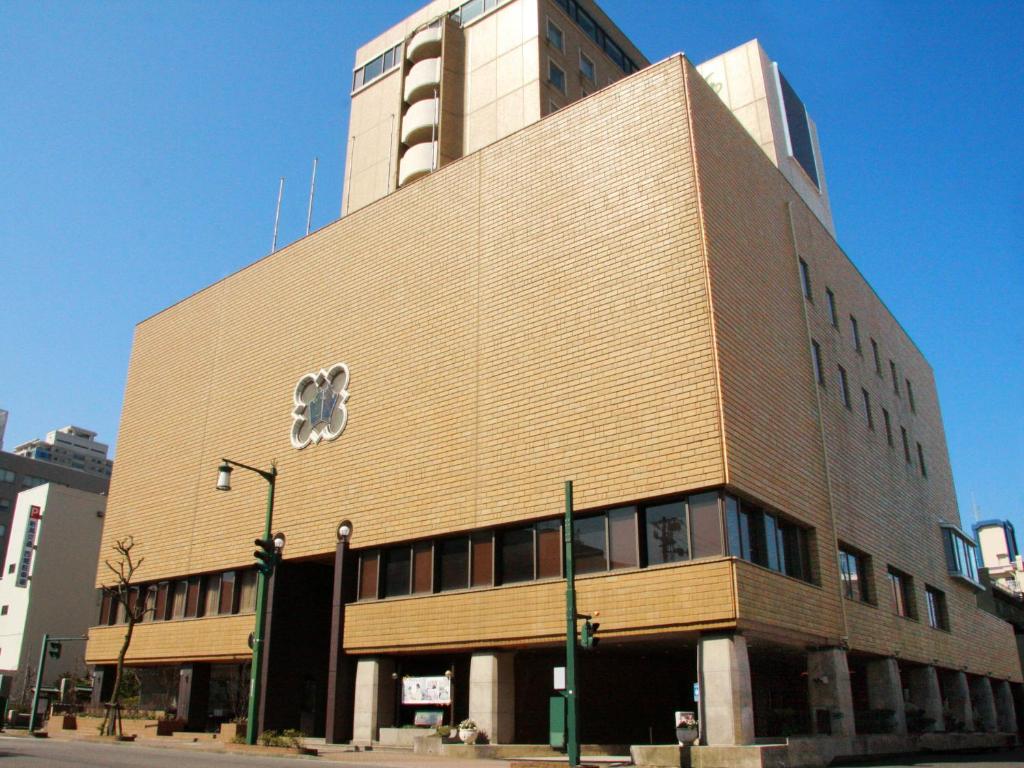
228	731
168	727
69	723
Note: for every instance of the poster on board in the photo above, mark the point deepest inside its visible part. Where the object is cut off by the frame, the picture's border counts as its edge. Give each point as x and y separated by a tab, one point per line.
427	690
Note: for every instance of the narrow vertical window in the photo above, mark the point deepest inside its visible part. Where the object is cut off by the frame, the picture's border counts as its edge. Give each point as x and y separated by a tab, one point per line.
805	280
591	545
515	555
833	314
667	535
452	563
906	444
587	67
877	357
867	408
556	76
895	378
368	567
705	524
622	544
888	427
397	571
549	549
422	567
920	461
819	370
555	37
844	387
855	331
482	559
910	396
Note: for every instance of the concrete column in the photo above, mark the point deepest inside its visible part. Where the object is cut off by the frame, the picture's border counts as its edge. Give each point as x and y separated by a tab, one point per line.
828	684
492	695
885	690
958	698
1006	713
340	677
983	703
926	695
374	699
726	701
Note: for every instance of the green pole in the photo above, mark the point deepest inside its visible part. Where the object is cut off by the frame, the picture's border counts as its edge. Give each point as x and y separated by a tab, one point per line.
39	683
572	736
255	680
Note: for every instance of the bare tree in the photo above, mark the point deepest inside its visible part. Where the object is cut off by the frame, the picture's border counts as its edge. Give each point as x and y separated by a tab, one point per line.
131	601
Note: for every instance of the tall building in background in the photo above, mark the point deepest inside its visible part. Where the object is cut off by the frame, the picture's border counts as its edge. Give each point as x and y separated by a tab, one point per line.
3	427
47	582
72	447
597	270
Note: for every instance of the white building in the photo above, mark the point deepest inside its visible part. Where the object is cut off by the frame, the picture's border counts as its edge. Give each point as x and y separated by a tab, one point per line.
997	543
47	585
70	446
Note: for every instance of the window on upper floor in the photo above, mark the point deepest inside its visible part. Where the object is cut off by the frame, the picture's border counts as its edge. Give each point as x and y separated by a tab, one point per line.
906	445
901	588
805	280
587	68
855	332
910	395
888	427
895	378
844	386
30	481
6	476
819	369
877	357
555	37
556	76
767	539
920	461
833	313
5	506
854	570
868	415
938	615
961	557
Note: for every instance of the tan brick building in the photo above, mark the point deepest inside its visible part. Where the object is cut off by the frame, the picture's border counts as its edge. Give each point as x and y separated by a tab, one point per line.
627	291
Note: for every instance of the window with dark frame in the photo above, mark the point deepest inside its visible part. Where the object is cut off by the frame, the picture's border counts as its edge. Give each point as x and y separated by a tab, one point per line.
369	565
895	378
453	563
590	542
906	445
855	332
516	555
920	461
423	567
805	280
819	369
878	358
555	36
888	427
549	549
833	314
902	593
397	571
587	67
844	387
910	396
868	415
853	570
556	76
666	533
938	614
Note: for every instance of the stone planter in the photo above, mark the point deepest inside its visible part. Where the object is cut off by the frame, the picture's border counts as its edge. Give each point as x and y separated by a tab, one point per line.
468	735
168	727
229	731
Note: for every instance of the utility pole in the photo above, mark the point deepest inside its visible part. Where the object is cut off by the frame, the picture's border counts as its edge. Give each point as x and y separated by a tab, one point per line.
572	735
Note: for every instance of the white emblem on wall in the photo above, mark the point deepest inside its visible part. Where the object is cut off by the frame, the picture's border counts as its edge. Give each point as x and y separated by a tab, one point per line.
320	412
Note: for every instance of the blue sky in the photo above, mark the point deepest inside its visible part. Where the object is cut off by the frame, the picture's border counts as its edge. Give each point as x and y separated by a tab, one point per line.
141	146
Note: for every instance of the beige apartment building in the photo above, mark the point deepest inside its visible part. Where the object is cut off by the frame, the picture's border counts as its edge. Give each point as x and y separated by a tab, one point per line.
618	285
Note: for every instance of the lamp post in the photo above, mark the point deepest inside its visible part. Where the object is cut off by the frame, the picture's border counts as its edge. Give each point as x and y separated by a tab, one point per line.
224	484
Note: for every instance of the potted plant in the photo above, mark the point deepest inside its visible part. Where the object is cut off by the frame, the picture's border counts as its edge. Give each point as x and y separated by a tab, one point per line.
687	729
468	731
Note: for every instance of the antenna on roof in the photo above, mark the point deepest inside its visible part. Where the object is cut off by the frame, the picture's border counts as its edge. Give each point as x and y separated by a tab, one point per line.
974	509
277	214
312	189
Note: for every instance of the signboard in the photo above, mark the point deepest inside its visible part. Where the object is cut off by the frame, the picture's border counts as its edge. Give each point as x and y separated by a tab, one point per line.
28	546
431	718
559	681
427	690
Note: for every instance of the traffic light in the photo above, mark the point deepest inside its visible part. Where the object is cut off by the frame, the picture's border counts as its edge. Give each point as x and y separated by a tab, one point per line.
588	635
266	556
54	650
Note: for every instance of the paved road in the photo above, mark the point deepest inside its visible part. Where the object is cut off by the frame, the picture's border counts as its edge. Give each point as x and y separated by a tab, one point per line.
1007	759
22	752
19	752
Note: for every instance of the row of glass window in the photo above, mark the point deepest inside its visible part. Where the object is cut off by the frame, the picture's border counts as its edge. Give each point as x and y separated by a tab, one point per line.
466	12
376	67
700	525
213	594
855	575
961	554
596	32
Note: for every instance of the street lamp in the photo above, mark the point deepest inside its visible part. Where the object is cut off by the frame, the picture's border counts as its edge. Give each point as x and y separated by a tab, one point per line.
224	484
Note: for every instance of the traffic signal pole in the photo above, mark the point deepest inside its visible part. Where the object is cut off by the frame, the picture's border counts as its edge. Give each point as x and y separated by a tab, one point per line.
572	736
47	639
261	611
